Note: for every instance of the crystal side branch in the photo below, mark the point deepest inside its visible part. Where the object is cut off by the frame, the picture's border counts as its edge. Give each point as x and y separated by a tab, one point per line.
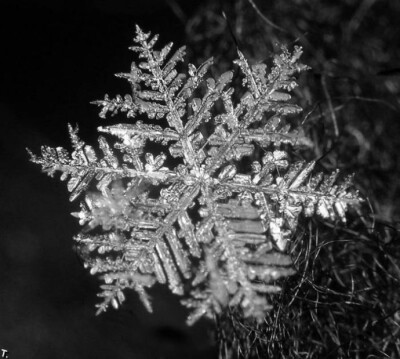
193	217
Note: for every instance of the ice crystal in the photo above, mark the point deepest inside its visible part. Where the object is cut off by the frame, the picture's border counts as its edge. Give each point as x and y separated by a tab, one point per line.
193	216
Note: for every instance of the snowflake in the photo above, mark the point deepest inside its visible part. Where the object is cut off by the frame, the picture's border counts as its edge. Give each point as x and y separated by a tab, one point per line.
196	216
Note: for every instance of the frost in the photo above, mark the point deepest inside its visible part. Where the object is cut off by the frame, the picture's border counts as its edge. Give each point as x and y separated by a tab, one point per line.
190	216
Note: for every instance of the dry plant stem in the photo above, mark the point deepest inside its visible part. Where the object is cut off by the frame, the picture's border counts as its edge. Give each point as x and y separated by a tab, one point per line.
264	18
330	105
356	20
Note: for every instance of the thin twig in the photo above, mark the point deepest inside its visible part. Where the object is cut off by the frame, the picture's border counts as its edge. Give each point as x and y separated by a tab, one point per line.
323	113
356	20
330	106
376	100
177	10
265	19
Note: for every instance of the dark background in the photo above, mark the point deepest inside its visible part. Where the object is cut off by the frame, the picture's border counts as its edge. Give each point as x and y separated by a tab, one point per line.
57	56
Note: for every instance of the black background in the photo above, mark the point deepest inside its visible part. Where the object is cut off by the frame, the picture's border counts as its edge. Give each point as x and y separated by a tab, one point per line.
57	56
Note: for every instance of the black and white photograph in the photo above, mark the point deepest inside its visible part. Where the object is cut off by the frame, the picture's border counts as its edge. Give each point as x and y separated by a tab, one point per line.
211	179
